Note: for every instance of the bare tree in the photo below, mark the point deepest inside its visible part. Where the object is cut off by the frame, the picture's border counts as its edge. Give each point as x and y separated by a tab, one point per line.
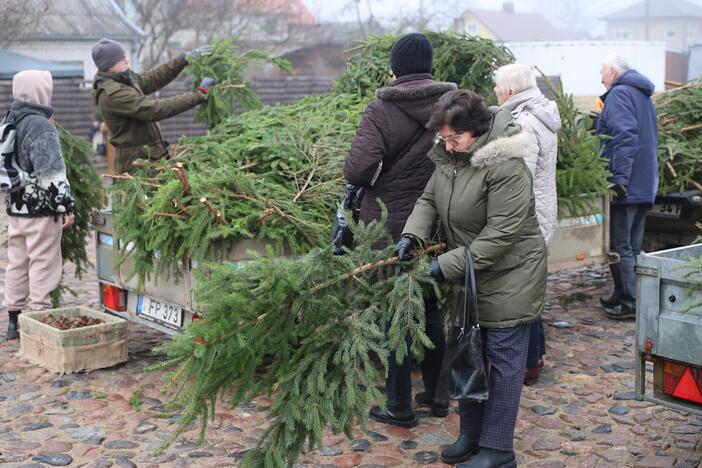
171	24
16	16
434	16
568	15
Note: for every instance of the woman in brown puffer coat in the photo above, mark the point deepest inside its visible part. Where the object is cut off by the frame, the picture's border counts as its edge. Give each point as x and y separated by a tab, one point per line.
396	118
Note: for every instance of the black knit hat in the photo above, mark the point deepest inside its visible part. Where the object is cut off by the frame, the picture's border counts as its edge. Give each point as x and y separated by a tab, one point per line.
411	54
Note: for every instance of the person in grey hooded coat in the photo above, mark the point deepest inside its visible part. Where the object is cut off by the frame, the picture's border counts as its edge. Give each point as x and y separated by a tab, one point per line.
39	211
516	90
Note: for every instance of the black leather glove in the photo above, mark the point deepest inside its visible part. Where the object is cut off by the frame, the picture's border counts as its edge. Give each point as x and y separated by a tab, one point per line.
404	246
199	52
436	272
620	190
206	84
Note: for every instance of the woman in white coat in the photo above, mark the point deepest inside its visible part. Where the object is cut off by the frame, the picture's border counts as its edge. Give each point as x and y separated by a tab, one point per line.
516	90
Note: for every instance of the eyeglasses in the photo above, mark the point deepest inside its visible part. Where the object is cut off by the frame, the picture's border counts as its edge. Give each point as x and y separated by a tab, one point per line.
451	139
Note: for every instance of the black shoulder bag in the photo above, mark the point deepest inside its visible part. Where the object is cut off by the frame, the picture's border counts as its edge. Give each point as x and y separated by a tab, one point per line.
463	369
341	235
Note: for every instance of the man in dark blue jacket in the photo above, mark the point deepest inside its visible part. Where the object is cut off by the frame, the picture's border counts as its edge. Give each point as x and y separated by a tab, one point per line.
629	124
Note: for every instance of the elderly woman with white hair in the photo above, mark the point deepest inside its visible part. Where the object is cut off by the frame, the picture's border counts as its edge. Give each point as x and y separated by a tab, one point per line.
516	90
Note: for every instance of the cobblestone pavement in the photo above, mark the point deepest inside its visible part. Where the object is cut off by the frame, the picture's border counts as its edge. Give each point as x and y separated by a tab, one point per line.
581	413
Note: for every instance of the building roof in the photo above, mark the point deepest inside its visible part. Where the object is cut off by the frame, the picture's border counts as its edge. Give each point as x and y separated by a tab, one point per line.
657	9
12	63
84	20
511	26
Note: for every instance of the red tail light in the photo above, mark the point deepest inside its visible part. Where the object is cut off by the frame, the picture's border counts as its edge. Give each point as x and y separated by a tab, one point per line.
682	381
113	297
196	316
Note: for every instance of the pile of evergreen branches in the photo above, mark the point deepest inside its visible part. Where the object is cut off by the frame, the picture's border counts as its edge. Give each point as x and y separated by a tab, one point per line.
308	330
680	138
273	173
233	90
468	61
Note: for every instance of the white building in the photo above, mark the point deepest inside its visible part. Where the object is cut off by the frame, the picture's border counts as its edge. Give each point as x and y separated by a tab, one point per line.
67	32
578	62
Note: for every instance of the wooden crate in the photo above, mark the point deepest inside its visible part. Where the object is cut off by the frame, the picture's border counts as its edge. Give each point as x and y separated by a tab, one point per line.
76	350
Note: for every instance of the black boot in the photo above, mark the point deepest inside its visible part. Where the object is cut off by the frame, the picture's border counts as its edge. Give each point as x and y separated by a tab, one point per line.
13	325
439	408
490	458
620	312
609	302
459	451
397	416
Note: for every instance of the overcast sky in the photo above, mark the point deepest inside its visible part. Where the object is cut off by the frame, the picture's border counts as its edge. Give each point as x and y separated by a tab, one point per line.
569	14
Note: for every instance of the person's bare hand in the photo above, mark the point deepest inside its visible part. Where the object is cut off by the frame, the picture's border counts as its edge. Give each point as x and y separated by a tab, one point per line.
68	220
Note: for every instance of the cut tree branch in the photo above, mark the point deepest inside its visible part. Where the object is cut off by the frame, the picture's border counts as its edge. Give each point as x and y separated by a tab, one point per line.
372	266
214	212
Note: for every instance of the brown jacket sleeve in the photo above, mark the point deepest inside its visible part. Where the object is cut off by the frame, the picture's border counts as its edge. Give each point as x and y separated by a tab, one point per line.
127	102
152	80
367	148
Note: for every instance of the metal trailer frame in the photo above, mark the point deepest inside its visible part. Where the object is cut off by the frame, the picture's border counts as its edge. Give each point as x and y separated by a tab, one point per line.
665	326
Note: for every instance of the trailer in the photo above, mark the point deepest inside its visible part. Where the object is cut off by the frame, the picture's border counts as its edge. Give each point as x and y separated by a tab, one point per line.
669	328
164	301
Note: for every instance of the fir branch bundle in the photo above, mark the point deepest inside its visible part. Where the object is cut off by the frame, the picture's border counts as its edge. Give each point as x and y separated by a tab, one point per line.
89	195
581	171
232	88
680	138
272	174
468	61
270	328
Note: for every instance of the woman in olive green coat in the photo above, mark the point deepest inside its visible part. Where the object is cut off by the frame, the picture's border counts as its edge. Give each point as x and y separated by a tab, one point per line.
481	194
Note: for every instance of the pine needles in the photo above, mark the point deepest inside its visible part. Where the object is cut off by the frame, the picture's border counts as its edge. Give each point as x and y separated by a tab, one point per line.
680	138
468	61
270	174
270	328
87	191
232	88
581	171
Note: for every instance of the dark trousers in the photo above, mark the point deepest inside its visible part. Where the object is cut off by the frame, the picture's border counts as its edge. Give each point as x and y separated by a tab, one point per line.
537	344
492	423
399	381
627	224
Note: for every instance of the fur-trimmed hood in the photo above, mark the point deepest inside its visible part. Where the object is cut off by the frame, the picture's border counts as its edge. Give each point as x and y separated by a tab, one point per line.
504	148
415	95
414	90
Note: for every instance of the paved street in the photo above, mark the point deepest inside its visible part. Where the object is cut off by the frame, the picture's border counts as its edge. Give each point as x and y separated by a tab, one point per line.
581	413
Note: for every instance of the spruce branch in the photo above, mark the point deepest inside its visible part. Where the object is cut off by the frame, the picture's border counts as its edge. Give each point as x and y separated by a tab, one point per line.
372	266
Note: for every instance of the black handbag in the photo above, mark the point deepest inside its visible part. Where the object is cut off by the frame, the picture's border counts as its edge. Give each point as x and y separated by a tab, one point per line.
463	370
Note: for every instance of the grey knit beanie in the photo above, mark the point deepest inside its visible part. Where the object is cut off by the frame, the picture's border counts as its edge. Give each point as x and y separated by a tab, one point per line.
106	53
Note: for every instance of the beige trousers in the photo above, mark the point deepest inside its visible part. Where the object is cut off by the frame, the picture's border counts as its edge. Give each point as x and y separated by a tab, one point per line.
34	265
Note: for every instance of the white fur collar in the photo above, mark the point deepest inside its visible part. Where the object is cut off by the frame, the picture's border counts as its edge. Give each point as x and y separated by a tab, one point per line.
502	149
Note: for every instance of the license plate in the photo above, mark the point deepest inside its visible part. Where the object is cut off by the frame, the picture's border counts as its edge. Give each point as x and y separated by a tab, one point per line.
666	211
156	310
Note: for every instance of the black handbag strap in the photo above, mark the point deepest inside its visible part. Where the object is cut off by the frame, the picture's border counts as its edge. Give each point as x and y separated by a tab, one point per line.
470	295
